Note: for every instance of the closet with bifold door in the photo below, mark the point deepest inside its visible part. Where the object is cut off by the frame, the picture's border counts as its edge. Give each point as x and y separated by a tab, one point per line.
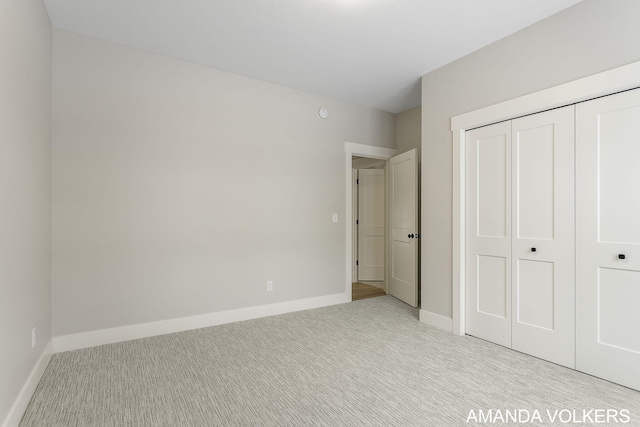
520	242
552	230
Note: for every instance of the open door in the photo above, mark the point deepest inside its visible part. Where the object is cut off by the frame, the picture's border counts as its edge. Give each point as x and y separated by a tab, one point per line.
403	227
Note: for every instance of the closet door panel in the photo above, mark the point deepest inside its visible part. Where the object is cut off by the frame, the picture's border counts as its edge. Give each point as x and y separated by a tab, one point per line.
534	190
492	283
617	305
491	182
535	289
488	222
608	238
618	155
543	235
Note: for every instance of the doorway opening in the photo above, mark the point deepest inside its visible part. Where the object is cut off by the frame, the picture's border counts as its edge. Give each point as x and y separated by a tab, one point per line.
369	227
401	221
359	151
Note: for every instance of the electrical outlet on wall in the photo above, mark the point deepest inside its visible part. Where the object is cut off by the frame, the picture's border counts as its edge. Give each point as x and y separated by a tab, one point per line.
269	285
33	337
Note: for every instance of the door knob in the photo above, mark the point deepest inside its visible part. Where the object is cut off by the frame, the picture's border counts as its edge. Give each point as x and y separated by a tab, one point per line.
621	256
410	236
533	249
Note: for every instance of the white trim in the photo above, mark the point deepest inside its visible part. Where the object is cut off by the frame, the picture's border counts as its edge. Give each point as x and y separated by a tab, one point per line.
24	397
352	149
459	234
605	83
436	320
161	327
601	84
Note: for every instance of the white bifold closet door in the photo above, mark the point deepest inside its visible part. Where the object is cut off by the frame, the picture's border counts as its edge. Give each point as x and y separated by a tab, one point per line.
488	235
519	234
608	238
543	294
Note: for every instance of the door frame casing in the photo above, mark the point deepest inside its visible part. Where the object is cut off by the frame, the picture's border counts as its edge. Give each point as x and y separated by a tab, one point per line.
354	149
605	83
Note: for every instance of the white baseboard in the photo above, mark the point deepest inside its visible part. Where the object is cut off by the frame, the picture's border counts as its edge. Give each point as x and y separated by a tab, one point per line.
436	320
144	330
22	401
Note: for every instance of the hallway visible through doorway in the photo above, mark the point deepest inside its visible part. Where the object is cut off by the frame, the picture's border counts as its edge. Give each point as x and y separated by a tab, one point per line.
361	290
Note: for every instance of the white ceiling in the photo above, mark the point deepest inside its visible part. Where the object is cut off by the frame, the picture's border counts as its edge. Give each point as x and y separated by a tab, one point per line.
370	52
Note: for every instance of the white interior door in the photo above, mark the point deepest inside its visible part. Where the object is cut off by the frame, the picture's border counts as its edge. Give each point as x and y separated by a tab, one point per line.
608	243
371	224
542	250
354	225
402	173
488	233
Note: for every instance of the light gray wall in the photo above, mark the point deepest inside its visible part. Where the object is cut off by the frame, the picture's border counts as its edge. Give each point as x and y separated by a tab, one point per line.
408	130
180	190
591	37
25	192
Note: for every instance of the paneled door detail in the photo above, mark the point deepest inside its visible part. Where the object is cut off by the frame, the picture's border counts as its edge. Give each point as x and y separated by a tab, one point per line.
371	224
488	235
403	224
542	266
608	238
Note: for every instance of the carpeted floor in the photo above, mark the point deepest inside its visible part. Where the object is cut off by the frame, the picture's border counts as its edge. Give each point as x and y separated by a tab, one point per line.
366	363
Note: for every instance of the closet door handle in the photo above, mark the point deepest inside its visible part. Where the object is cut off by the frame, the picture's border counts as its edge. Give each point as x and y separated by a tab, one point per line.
621	256
410	236
533	249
